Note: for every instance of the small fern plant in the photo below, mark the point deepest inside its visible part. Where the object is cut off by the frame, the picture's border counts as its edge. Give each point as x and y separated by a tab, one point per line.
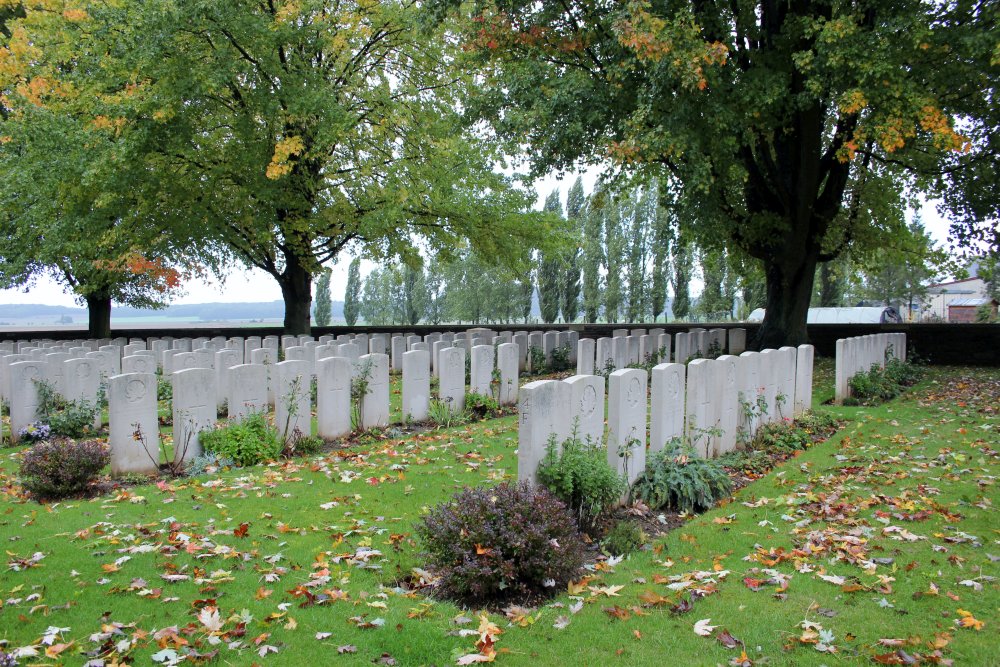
675	478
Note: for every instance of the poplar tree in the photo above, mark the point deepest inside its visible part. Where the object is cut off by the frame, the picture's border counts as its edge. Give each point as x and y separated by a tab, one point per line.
352	293
550	269
593	258
322	312
576	203
614	243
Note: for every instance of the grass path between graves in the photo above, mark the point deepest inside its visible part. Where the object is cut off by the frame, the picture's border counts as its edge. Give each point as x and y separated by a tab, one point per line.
881	542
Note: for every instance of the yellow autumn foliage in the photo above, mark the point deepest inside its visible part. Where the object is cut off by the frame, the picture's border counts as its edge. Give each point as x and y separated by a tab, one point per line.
284	150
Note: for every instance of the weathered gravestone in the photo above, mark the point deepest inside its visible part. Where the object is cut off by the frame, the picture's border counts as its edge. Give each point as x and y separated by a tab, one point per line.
333	397
543	408
247	390
451	387
375	403
194	410
507	354
481	370
293	400
416	384
666	418
587	408
133	427
627	422
24	400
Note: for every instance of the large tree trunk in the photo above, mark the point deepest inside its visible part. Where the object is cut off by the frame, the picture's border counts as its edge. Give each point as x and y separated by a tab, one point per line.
99	315
296	290
789	288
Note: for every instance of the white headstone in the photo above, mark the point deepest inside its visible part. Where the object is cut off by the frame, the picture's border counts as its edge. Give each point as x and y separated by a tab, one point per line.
375	404
605	354
225	359
666	406
293	400
24	378
133	427
737	341
247	390
507	361
700	407
333	397
452	378
803	378
587	408
481	370
627	422
266	357
194	410
543	407
398	346
138	363
416	384
585	356
726	396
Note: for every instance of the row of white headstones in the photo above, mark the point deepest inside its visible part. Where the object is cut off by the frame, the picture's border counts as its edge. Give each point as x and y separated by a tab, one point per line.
702	403
858	354
208	373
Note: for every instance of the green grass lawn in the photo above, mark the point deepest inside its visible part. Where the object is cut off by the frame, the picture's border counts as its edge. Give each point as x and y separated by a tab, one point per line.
884	537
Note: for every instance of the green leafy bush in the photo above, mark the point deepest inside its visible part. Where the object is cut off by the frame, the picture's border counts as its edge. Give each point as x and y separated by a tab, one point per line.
537	360
624	538
303	445
780	437
676	479
747	462
164	388
75	420
481	406
60	467
247	442
579	475
559	359
72	419
492	545
878	384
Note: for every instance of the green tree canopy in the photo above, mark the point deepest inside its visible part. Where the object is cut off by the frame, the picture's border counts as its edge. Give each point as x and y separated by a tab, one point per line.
789	130
289	131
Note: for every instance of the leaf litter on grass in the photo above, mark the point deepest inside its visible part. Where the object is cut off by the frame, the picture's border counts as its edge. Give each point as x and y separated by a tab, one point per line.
886	527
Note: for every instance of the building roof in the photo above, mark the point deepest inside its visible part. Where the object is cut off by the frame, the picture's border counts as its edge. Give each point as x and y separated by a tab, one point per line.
981	301
954	282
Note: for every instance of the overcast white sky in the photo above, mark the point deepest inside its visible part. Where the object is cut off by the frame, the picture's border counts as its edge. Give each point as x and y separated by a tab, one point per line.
255	285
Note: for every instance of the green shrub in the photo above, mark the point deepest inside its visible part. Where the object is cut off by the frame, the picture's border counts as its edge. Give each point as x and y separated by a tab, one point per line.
747	462
60	467
879	384
677	479
559	359
491	545
303	445
72	419
75	420
624	538
246	442
579	475
780	437
481	406
537	360
164	388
